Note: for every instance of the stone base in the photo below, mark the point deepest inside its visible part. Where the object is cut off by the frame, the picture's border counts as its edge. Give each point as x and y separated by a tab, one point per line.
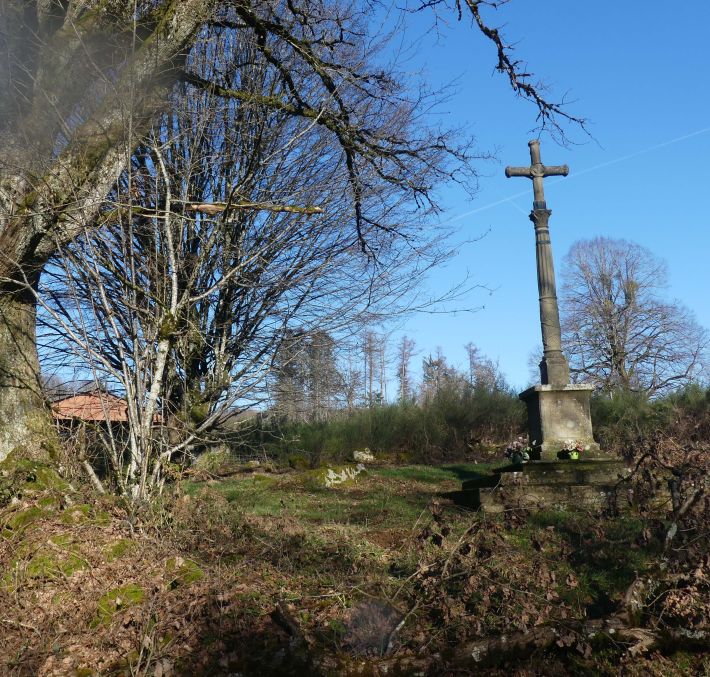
544	485
557	414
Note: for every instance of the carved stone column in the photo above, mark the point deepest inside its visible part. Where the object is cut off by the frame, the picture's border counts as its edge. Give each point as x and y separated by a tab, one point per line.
554	369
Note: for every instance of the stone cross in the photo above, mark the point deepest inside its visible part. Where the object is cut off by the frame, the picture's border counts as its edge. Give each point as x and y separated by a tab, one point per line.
554	369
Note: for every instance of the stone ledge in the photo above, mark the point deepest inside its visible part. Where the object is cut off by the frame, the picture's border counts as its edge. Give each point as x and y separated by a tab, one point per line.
541	484
547	388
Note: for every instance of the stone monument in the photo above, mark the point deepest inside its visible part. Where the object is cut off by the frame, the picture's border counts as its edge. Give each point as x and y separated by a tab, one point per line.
558	411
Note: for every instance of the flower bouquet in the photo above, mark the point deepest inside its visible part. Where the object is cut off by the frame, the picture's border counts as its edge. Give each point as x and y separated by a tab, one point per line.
572	449
518	451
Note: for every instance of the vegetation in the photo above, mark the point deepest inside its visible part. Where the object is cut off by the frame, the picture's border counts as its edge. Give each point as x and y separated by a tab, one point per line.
453	424
620	333
275	573
214	189
624	417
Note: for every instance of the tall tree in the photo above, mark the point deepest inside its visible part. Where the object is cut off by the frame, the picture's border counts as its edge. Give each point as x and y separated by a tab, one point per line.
619	331
405	352
483	373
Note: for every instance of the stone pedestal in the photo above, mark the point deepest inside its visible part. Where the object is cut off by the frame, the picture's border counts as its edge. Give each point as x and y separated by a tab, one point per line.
545	485
557	414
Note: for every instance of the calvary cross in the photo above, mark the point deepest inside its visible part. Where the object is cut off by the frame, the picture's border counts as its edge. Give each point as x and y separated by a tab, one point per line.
554	369
537	172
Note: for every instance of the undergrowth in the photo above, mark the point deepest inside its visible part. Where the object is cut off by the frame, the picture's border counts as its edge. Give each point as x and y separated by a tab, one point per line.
268	574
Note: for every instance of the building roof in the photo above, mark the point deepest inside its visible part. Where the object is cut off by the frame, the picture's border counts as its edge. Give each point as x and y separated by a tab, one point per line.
96	406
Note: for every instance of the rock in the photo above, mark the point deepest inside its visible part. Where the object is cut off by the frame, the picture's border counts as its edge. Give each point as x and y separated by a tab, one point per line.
340	475
363	456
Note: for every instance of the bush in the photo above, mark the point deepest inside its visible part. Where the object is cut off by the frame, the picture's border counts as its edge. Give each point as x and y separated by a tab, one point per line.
448	426
623	418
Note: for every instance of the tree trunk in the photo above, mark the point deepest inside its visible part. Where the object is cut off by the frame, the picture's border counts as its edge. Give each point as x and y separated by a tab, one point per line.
25	420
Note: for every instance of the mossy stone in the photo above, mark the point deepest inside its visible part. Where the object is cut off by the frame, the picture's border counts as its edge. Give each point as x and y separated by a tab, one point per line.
20	476
77	514
83	514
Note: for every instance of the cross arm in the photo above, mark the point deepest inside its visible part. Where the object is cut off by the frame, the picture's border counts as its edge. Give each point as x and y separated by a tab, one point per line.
555	170
519	171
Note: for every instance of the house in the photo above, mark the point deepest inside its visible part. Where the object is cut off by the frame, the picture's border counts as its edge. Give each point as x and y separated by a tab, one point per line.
94	407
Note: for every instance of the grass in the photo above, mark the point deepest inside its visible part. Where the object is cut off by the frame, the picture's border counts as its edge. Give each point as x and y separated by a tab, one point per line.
383	497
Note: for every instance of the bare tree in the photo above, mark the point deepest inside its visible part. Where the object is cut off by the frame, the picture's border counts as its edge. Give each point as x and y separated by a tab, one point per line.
370	360
619	332
405	352
202	267
437	374
482	371
87	79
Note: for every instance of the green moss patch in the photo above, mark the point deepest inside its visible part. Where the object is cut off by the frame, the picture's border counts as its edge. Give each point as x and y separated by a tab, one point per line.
77	514
119	549
182	572
57	558
21	519
115	600
20	477
48	564
83	514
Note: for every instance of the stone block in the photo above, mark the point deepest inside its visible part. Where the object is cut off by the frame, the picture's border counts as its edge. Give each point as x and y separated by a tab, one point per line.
557	414
546	485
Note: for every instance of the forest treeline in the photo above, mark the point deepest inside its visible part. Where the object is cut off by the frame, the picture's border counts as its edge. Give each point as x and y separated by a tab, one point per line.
323	411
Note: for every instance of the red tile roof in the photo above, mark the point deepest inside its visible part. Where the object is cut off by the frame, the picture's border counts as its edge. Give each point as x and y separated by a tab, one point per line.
91	407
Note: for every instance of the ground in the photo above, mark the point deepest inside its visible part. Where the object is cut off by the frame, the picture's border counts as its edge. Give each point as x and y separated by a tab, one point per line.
273	573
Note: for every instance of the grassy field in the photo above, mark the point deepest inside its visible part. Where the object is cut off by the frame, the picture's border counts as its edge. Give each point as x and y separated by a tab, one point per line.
380	499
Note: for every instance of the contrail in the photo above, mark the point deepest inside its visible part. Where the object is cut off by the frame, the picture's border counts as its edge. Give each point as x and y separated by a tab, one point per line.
623	158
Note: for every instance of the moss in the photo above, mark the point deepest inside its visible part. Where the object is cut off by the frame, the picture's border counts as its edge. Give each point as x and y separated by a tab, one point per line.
47	564
49	503
77	514
264	481
60	558
115	600
118	549
21	519
199	412
21	476
83	514
168	327
182	572
62	540
43	446
39	423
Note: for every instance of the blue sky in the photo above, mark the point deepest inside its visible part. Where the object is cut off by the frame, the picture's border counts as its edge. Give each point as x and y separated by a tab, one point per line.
638	72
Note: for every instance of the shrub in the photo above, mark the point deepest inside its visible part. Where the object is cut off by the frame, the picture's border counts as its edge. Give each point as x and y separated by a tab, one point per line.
623	418
450	425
